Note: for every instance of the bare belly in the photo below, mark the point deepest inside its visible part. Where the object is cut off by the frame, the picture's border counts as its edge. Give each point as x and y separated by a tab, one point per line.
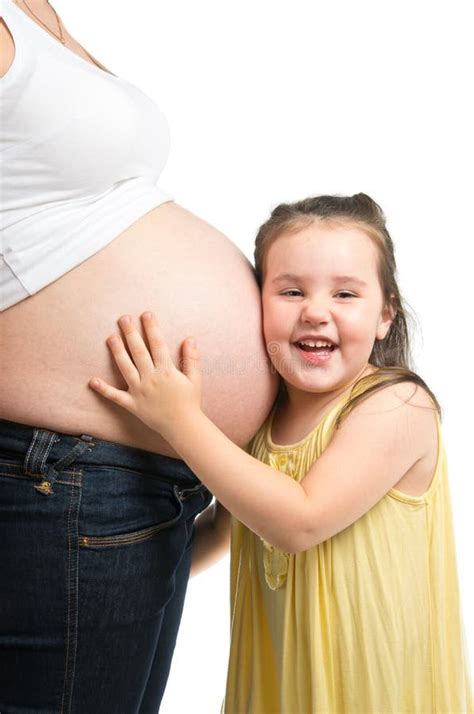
194	279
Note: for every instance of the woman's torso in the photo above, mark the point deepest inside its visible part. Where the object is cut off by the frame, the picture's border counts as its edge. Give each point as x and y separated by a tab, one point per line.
367	621
168	261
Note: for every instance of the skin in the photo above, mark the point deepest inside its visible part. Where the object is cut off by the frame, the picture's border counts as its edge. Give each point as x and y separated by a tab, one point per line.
352	474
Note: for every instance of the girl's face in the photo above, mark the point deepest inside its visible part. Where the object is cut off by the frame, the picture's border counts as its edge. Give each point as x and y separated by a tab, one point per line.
321	283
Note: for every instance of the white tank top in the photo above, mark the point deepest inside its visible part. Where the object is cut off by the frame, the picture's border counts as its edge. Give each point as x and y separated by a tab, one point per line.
81	151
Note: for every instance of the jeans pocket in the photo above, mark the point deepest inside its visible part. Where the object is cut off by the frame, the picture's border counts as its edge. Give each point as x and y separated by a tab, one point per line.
171	511
124	538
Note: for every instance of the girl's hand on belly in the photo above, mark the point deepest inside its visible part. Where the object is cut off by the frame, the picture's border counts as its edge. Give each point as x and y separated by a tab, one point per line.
158	393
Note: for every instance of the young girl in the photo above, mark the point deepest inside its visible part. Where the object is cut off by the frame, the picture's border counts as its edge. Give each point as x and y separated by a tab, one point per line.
344	585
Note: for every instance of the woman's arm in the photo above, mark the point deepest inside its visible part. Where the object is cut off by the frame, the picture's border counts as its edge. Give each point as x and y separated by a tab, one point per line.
368	455
212	537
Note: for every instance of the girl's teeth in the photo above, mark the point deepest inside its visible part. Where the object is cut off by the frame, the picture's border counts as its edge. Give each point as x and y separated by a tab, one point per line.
309	344
318	343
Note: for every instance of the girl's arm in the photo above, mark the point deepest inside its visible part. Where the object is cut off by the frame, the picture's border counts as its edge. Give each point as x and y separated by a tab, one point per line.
374	447
212	537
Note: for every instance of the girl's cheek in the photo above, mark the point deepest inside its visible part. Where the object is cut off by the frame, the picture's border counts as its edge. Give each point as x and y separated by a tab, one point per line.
272	323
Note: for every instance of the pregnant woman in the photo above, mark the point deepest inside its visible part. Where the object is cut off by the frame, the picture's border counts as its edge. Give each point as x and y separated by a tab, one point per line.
97	511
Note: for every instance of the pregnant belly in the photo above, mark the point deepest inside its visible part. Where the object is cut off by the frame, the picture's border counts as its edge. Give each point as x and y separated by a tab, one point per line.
195	280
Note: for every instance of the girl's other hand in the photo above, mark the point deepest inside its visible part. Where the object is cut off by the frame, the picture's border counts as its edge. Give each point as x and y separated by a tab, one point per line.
158	393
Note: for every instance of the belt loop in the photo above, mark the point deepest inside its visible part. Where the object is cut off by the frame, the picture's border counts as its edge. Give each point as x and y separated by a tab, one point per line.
38	451
35	461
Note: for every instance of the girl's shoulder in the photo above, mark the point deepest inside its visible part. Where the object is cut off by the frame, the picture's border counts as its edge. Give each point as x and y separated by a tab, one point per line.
396	395
412	412
406	400
389	386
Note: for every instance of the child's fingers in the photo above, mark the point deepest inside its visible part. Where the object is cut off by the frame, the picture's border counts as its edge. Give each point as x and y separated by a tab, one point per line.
122	359
118	396
191	363
158	347
138	349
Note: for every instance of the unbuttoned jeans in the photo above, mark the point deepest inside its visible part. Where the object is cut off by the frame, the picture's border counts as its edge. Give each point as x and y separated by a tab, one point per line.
95	551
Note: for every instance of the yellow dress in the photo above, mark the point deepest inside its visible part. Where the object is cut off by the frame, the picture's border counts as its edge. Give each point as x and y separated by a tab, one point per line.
367	622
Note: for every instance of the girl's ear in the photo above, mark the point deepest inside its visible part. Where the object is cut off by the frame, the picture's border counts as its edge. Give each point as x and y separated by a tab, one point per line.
388	315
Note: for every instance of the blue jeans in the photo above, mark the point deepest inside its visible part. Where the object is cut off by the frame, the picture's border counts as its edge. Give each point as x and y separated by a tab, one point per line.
95	551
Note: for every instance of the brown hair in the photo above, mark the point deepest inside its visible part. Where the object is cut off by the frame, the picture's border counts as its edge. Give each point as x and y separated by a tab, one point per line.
392	355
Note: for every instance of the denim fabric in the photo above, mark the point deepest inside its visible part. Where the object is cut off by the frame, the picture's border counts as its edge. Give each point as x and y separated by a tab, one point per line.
95	550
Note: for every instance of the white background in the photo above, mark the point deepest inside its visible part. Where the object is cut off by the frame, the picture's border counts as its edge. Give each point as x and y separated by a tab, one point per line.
272	101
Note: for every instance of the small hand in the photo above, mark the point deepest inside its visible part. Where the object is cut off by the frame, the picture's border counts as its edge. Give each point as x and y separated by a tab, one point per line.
158	393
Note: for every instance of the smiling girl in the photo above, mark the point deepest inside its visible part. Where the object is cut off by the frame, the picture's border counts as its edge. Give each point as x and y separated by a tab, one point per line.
344	585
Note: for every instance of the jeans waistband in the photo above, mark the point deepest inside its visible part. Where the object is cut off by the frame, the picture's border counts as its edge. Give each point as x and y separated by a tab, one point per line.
19	439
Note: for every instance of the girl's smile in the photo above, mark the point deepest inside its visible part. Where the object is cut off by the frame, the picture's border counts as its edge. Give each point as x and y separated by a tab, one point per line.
315	352
322	307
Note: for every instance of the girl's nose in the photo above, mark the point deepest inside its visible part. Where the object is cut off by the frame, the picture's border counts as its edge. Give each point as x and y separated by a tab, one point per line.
316	311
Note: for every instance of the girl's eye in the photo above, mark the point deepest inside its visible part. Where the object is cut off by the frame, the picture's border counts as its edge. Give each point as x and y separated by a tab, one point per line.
297	293
291	292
